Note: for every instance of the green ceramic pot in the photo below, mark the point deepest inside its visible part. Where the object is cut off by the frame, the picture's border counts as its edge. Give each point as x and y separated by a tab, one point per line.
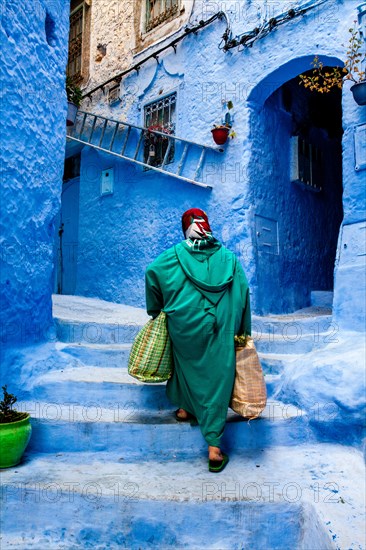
14	438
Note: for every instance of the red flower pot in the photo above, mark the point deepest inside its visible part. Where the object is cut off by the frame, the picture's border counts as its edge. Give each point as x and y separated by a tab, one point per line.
220	135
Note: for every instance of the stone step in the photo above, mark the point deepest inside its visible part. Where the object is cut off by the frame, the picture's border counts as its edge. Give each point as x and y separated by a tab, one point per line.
116	356
312	320
71	427
95	322
272	349
96	333
279	345
100	355
106	386
56	501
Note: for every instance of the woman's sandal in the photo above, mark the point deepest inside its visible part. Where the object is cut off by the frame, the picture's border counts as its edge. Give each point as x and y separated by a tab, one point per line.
216	466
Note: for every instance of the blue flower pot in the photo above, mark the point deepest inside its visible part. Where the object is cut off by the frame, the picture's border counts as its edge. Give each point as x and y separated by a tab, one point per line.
359	92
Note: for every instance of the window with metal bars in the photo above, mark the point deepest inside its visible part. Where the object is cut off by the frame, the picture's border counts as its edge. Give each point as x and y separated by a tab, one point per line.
158	11
74	64
307	164
160	116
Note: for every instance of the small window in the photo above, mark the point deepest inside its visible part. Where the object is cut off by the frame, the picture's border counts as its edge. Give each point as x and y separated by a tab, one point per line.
307	164
160	116
113	94
75	43
158	11
79	41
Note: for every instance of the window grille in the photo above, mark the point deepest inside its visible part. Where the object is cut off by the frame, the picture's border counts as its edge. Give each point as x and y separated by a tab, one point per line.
158	11
76	43
307	164
159	116
113	94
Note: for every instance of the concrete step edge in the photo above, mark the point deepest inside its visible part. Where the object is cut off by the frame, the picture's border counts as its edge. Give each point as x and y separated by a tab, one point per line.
101	375
95	413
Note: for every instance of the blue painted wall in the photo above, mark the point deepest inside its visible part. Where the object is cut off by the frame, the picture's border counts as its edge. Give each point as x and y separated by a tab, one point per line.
121	233
33	112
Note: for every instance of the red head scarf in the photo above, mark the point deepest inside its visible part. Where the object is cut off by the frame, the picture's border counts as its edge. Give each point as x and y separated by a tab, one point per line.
199	218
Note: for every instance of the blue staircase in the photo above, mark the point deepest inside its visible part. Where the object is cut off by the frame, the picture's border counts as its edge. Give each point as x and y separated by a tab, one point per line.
108	466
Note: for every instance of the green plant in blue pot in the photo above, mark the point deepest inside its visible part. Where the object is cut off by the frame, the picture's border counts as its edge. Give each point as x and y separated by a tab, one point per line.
15	431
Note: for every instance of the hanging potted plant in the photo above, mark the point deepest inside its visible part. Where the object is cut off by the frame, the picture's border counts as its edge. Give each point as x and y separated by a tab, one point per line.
74	97
324	80
15	431
353	64
221	132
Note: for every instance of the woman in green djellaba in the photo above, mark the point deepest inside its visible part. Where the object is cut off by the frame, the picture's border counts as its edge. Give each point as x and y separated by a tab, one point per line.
203	290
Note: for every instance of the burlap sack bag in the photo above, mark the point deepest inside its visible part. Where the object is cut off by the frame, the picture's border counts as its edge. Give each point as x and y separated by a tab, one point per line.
249	395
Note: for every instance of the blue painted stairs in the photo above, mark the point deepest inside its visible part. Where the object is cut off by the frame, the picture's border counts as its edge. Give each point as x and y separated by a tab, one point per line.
89	415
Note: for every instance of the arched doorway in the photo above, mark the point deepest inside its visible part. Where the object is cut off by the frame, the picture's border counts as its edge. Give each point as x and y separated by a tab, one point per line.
295	188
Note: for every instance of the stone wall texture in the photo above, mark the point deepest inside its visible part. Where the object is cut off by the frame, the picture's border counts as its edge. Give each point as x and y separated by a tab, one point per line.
33	114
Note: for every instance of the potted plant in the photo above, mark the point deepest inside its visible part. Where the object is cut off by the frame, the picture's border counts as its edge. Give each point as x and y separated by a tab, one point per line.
15	431
353	66
74	97
324	80
221	132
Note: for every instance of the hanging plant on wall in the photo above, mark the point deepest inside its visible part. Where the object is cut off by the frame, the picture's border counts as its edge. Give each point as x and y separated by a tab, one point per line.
323	80
353	63
221	132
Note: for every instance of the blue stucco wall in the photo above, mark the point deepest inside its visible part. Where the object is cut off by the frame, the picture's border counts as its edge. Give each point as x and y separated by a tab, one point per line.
121	233
33	111
349	307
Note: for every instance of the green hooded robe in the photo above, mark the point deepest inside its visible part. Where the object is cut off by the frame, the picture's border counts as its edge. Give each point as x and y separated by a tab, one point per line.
205	294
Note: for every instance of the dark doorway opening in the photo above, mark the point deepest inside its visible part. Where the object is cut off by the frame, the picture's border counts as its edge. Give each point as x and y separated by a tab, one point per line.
297	193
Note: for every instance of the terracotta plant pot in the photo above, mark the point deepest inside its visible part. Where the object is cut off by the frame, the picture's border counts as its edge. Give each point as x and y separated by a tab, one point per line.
220	135
71	113
14	438
359	92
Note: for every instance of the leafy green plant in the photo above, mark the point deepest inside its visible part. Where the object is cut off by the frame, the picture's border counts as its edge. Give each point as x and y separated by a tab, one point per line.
324	80
354	58
74	93
7	413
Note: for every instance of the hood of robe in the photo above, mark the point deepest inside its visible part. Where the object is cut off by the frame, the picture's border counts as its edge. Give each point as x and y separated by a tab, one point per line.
210	269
